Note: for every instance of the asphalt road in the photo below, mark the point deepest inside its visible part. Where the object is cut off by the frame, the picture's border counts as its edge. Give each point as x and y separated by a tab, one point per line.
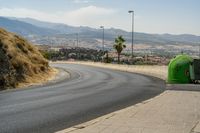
89	93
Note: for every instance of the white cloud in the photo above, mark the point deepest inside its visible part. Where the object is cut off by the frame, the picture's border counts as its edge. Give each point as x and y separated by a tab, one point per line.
22	13
90	15
86	16
80	1
92	10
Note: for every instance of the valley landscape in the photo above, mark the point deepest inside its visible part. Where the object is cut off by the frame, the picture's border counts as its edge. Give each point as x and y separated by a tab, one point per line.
65	36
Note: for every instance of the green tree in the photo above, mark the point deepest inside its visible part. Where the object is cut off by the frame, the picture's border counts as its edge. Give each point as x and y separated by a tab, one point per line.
119	46
46	54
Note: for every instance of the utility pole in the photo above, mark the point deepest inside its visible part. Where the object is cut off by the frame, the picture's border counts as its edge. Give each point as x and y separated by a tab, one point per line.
102	27
77	53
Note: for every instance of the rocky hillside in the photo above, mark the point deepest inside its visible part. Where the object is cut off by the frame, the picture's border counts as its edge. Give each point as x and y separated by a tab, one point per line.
19	60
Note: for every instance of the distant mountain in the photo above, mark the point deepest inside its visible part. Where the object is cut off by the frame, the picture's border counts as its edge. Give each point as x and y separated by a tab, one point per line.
29	26
24	28
62	28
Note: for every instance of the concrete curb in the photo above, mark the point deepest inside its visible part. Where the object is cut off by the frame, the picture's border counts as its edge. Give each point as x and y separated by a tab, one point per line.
183	87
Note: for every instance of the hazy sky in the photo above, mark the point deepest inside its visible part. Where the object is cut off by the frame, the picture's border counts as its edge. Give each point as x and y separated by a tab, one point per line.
151	16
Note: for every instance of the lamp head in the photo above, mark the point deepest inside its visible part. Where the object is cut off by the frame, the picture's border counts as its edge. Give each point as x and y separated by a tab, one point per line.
130	11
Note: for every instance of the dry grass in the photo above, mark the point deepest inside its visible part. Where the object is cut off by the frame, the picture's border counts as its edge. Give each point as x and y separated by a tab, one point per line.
29	64
39	79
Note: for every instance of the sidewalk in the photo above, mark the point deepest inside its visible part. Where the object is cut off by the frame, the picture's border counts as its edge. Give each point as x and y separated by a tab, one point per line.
170	112
173	111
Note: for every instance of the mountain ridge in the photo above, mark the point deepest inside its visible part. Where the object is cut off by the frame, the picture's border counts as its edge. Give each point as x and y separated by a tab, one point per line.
31	26
23	28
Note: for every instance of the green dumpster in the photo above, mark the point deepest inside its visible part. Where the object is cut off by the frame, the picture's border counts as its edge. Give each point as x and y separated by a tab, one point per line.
195	70
178	69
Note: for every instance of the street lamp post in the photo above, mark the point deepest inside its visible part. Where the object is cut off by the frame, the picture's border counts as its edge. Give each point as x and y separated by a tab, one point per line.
102	27
132	12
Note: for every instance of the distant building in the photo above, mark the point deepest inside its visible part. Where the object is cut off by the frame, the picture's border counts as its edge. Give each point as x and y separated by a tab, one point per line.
54	49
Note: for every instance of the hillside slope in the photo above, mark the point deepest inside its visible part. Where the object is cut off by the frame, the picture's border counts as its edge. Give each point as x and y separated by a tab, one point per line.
19	60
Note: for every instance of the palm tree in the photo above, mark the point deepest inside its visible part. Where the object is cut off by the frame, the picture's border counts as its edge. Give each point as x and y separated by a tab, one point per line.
119	46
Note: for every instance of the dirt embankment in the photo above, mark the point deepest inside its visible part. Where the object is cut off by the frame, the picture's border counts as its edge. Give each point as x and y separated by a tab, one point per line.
20	62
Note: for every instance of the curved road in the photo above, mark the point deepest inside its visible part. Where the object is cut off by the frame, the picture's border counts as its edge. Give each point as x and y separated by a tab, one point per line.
89	93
